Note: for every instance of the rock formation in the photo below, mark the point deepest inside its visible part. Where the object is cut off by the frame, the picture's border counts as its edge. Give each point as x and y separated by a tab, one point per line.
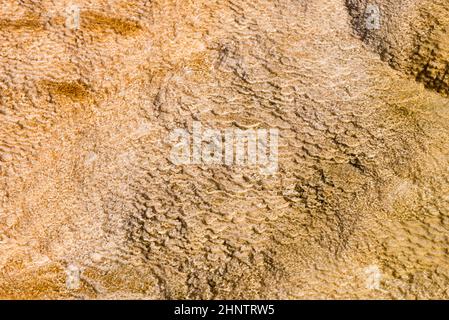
92	207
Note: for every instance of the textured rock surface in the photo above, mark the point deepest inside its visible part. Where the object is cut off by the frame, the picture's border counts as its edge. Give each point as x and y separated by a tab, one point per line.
91	206
413	37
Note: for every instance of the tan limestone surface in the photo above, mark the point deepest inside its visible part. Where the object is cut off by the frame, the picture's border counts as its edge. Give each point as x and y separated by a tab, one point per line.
92	207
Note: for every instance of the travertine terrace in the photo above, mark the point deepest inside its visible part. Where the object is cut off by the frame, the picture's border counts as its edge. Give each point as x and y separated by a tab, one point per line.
92	207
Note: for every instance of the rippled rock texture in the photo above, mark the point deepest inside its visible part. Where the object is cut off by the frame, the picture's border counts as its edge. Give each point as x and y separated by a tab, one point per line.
92	207
413	37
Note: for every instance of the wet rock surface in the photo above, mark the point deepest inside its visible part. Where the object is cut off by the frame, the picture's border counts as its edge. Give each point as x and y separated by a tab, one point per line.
411	37
92	207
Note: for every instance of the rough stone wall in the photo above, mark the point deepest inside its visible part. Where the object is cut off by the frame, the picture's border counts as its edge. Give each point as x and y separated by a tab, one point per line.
92	207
